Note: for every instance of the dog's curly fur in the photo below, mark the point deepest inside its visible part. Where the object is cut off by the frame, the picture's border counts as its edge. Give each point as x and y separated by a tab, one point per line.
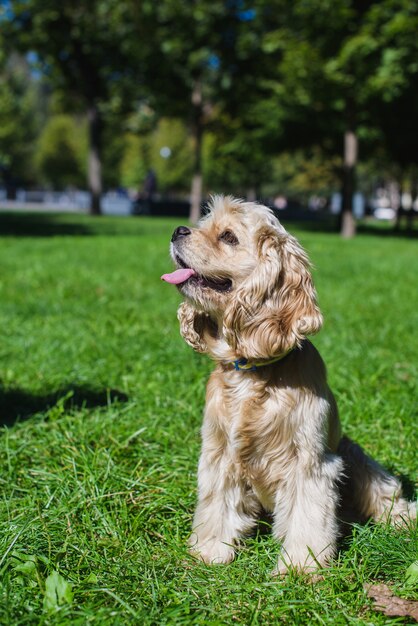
271	437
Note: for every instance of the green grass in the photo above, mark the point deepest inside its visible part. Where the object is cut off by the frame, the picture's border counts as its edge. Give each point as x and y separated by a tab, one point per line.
103	403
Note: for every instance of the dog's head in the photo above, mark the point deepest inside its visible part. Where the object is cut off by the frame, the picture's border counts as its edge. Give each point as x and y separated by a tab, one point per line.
247	284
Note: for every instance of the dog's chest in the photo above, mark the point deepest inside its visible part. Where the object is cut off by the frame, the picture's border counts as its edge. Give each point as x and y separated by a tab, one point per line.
258	432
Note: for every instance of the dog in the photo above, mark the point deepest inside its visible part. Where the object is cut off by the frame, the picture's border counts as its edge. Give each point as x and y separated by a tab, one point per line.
271	436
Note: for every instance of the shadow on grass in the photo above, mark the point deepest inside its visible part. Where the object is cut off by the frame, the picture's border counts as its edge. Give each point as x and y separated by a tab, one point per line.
386	231
321	222
329	225
63	224
42	225
408	485
75	224
19	405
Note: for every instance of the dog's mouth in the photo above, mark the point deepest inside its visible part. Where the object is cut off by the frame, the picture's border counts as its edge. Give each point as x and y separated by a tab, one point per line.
185	274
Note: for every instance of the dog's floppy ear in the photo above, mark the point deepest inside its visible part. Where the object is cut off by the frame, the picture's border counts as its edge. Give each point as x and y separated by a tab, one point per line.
276	307
193	325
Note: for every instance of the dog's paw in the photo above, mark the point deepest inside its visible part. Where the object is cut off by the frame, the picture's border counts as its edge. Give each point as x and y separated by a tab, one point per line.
305	565
310	574
400	514
213	552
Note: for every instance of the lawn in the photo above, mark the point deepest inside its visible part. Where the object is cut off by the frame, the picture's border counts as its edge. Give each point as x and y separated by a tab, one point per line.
101	405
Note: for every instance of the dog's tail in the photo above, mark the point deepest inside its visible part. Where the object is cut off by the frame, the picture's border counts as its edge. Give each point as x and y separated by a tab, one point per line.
373	492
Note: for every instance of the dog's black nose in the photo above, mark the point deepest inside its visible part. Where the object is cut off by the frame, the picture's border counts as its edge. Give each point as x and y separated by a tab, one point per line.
181	231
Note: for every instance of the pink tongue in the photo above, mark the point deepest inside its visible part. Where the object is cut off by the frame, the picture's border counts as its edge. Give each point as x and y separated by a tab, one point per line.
178	276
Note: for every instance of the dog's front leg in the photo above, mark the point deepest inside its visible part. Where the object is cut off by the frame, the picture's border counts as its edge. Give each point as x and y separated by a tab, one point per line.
226	508
305	515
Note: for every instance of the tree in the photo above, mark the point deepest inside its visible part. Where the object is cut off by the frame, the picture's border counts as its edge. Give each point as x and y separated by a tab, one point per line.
167	150
209	60
184	35
80	49
341	64
318	93
19	118
237	155
394	89
61	151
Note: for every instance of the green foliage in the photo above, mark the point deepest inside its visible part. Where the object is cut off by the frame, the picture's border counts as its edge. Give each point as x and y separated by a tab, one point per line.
84	53
19	115
144	152
238	150
88	63
411	575
57	592
113	141
305	172
61	154
136	160
175	170
260	80
103	402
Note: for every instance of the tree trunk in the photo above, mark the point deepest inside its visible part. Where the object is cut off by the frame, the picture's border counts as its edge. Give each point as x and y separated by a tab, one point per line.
94	170
196	197
197	133
347	223
399	210
411	214
395	200
10	186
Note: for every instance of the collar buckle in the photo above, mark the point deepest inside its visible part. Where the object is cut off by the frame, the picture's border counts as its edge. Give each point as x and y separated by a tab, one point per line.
242	365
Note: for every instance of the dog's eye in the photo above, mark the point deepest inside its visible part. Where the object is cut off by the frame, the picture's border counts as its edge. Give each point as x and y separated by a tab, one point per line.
228	237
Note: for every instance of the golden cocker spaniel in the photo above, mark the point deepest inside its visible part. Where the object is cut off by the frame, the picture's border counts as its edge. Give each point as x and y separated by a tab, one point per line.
271	436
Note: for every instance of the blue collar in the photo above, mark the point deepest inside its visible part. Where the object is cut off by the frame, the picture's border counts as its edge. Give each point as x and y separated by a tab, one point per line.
244	365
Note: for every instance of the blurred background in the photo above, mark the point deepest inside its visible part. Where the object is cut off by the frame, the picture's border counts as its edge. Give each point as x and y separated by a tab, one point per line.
147	107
